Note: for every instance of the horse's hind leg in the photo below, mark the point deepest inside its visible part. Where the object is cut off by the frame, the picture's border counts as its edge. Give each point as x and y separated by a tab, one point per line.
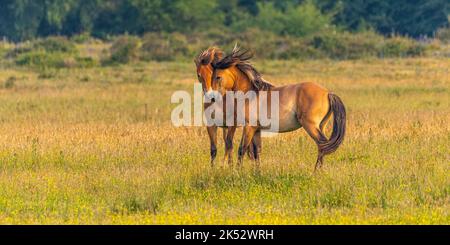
247	138
255	146
318	136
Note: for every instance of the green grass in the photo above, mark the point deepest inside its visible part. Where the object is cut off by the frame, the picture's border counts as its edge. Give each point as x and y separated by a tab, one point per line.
76	147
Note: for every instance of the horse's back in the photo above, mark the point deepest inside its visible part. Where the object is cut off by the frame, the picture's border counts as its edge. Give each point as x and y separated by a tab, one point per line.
311	100
301	103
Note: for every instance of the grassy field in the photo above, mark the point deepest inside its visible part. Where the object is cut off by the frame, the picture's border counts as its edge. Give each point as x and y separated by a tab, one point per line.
96	146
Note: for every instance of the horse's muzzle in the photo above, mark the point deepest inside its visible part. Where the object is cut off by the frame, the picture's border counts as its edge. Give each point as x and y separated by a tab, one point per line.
211	95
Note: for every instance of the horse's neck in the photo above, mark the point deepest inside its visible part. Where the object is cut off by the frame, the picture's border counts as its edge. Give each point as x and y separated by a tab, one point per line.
242	83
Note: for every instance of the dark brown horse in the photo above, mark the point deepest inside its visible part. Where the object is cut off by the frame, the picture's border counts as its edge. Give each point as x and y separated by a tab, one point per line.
204	72
306	105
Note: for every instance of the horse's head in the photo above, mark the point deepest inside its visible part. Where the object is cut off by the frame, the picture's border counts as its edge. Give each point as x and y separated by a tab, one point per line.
235	73
224	78
203	63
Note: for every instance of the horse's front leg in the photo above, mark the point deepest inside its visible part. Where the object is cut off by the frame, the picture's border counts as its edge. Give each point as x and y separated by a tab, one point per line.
212	132
246	140
229	145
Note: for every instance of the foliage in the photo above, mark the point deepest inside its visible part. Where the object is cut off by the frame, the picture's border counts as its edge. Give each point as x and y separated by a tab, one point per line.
3	50
26	19
81	38
41	59
401	47
164	46
366	44
443	34
347	46
51	52
265	45
124	50
405	17
55	44
60	52
300	20
45	60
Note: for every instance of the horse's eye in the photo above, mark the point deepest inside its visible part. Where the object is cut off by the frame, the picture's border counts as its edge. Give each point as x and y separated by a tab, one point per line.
218	78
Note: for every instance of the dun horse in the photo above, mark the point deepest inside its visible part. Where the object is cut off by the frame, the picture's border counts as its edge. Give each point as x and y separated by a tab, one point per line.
204	72
306	105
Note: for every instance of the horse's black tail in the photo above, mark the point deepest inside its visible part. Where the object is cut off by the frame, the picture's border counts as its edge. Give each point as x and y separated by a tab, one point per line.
339	124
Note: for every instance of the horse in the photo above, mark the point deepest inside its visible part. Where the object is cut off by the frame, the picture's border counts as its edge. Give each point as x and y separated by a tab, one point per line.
204	72
306	105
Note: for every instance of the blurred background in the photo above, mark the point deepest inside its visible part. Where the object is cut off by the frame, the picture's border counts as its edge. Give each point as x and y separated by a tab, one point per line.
123	31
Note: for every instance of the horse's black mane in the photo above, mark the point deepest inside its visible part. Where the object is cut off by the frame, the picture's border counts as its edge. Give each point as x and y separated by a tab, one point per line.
241	59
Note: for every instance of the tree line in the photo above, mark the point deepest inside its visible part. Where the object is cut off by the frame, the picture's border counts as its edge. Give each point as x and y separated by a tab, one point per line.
27	19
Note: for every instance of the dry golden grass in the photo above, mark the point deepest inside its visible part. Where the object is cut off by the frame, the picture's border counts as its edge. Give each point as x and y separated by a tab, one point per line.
77	147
